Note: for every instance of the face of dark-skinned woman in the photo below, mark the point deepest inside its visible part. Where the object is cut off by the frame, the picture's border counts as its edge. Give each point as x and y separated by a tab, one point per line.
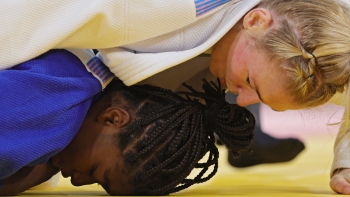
93	156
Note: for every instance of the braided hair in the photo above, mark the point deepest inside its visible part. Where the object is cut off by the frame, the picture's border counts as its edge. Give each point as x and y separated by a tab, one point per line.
171	132
310	40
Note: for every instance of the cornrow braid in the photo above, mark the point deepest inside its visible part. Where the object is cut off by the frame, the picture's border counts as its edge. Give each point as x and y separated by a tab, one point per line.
171	132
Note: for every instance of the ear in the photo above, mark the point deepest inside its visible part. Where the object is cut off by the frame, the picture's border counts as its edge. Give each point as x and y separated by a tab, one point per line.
257	20
114	116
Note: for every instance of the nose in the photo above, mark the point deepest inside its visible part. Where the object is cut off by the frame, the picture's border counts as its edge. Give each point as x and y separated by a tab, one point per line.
79	179
247	98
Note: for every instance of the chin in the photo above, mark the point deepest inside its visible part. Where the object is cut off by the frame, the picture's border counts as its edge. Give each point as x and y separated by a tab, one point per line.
75	183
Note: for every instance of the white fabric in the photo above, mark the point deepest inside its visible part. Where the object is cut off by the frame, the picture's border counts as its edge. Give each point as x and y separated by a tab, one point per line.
32	27
108	24
341	152
341	157
123	31
342	144
134	62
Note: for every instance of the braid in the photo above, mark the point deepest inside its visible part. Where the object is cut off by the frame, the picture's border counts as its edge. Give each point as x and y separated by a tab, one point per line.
309	75
153	115
186	147
314	49
181	182
159	134
171	132
178	139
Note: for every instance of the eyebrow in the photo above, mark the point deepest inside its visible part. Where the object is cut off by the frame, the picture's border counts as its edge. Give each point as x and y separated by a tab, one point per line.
106	181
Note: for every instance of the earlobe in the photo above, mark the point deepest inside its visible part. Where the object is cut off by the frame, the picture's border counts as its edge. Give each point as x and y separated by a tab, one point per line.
258	19
114	116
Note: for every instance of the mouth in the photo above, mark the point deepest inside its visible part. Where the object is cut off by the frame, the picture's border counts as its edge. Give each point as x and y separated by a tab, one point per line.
56	161
64	173
232	88
223	82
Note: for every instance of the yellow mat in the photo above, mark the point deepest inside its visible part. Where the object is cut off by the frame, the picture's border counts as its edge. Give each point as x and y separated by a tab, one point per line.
307	176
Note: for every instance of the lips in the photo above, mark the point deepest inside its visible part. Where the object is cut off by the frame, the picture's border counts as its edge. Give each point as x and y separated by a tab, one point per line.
223	82
232	88
56	161
64	174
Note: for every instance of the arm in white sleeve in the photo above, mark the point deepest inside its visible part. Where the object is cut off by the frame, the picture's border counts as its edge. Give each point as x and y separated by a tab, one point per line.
30	28
342	143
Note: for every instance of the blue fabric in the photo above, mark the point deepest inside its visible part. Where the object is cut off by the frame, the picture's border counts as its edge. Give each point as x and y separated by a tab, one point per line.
205	6
43	103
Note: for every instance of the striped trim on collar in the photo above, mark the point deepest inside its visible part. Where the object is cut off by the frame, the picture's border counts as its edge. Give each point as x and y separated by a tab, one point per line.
100	71
204	6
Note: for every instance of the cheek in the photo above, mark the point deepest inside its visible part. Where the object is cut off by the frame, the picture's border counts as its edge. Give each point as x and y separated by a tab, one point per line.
235	74
78	156
236	63
214	69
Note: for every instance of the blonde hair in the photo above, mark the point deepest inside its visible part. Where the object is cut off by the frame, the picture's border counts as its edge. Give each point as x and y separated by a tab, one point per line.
311	40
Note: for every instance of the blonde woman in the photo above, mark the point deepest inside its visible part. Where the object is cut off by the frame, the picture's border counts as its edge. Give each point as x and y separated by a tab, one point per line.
288	54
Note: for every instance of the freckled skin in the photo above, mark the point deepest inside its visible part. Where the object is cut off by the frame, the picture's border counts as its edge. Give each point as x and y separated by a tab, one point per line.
235	59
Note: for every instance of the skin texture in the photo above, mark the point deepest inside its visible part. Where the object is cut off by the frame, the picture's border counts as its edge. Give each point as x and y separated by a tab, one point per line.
26	178
340	181
240	65
245	69
92	156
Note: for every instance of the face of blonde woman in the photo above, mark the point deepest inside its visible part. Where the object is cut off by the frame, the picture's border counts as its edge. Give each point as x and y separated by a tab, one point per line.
246	70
